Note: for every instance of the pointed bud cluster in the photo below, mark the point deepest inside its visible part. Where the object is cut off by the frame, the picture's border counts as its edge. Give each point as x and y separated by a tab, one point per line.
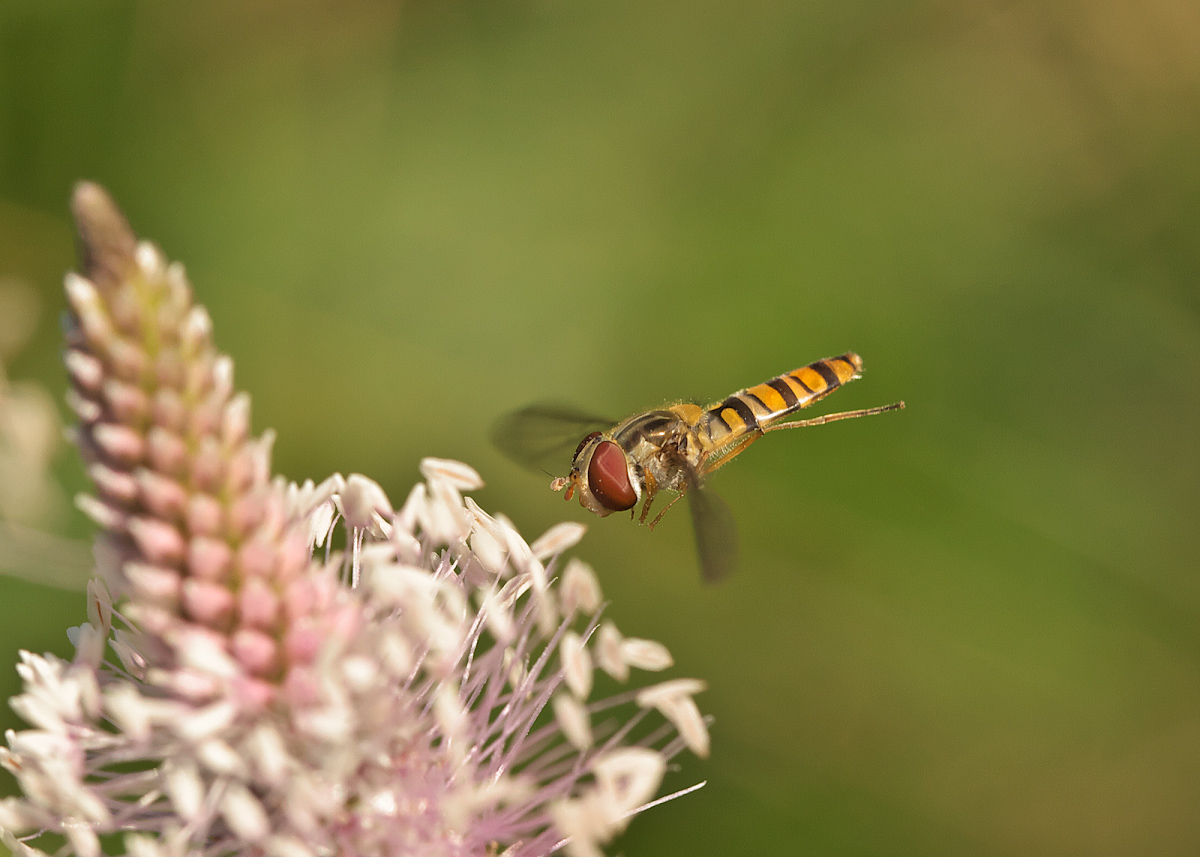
425	691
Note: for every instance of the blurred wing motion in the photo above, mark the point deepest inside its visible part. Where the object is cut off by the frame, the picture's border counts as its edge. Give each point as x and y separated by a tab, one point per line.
716	534
542	436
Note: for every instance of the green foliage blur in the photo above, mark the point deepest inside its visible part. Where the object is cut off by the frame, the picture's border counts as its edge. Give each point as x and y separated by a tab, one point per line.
970	628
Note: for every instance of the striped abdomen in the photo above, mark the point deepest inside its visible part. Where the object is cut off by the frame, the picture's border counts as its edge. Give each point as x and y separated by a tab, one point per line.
771	401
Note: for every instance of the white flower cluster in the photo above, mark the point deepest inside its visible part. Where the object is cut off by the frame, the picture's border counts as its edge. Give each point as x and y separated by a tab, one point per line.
418	729
426	689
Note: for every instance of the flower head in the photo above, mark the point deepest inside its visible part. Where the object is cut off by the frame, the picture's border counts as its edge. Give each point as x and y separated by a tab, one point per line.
241	687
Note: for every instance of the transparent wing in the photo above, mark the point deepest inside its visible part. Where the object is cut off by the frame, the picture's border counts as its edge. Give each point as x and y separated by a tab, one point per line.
543	436
716	533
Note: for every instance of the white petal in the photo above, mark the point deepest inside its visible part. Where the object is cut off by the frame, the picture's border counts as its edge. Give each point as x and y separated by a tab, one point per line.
83	839
557	539
129	711
645	654
683	713
573	720
448	712
461	476
184	787
651	696
496	615
268	754
629	776
220	758
576	664
608	652
359	672
206	722
21	816
674	700
487	550
286	846
579	588
244	814
141	845
362	498
320	523
583	827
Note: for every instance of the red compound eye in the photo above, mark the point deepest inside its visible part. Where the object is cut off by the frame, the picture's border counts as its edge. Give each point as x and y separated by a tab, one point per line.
608	478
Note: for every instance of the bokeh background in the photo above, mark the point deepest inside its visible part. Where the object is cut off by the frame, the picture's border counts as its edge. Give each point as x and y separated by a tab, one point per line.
970	628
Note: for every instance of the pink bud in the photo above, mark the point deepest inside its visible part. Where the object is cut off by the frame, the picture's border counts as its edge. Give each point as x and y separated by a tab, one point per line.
88	410
198	380
166	451
240	475
155	584
169	411
204	515
162	495
208	466
128	361
299	599
169	369
255	651
119	442
117	484
293	555
208	603
127	402
158	541
209	559
246	514
235	420
302	642
256	558
105	515
302	688
253	694
205	418
258	605
85	369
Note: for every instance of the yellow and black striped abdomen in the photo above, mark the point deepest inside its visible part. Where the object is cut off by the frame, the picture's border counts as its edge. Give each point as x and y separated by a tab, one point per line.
771	401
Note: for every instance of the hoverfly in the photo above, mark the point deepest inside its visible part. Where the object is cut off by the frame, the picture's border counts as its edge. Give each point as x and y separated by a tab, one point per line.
619	464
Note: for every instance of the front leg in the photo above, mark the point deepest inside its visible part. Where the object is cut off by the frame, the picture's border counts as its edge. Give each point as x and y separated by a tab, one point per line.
651	488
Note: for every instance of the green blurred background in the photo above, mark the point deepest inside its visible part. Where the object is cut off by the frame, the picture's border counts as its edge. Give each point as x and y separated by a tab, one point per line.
966	629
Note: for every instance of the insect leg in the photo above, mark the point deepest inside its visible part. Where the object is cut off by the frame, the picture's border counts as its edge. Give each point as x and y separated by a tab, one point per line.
666	509
731	453
832	418
651	490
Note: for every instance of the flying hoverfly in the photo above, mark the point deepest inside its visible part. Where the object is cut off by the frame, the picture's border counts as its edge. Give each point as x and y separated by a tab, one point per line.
619	464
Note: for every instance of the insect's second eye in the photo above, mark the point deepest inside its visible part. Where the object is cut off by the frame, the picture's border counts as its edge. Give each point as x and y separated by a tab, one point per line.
608	478
584	443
